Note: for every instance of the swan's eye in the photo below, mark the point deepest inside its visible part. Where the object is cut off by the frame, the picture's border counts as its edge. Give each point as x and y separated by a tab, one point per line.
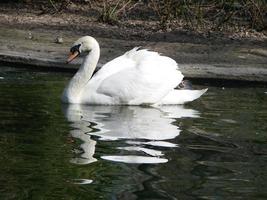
75	48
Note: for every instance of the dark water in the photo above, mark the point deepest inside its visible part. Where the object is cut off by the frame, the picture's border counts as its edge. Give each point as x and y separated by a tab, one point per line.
213	148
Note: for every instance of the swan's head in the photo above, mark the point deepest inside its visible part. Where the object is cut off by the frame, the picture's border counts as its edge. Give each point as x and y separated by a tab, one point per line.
82	47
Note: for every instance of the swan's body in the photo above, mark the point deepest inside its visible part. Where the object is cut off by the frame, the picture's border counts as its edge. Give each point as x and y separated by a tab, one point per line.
135	78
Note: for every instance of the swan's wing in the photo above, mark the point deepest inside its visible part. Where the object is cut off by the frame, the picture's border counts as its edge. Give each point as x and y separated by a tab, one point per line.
147	78
131	59
118	64
181	96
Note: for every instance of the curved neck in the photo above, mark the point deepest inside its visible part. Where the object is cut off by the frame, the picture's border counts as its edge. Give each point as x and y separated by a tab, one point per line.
75	87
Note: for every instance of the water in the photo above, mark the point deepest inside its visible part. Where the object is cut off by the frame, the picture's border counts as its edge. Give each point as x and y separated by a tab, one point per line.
213	148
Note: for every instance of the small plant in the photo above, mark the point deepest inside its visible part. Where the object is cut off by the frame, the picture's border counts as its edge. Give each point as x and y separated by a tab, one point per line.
211	14
58	5
165	11
256	9
54	6
113	9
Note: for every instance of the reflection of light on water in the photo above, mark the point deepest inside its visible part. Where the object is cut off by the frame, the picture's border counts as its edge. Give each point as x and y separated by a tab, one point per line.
144	128
135	159
150	152
154	143
231	121
82	181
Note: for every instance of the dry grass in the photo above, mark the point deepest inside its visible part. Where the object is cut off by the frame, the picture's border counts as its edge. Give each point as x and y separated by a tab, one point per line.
112	10
213	14
207	15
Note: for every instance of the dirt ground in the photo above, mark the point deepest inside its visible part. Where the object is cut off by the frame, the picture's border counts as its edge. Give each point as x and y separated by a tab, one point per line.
138	25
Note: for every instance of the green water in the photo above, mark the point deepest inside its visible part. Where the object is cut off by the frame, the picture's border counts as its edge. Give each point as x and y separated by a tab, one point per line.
213	148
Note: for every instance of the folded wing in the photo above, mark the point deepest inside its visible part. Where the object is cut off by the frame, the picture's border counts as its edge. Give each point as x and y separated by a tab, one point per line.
144	77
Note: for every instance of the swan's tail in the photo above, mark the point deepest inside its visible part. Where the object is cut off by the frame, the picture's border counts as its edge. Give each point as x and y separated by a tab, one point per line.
182	96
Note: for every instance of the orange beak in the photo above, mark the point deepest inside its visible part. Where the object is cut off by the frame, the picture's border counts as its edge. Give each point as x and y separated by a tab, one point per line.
72	56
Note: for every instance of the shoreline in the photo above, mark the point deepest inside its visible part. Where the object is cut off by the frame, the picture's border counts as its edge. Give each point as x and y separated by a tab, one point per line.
198	59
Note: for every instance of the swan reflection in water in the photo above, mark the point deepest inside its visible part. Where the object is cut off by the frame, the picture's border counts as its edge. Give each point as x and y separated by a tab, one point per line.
143	129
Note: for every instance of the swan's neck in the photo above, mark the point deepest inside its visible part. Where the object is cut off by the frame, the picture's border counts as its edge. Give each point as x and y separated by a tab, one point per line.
74	89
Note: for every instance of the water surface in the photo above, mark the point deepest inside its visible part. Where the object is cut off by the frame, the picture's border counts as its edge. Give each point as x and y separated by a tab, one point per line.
213	148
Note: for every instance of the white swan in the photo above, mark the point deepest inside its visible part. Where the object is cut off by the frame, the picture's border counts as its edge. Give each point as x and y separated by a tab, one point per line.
135	78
